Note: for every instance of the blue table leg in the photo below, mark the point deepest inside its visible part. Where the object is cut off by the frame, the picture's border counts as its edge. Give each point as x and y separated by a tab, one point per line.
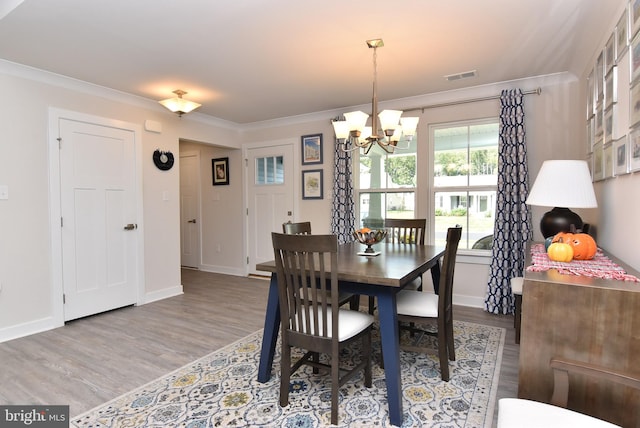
391	352
270	334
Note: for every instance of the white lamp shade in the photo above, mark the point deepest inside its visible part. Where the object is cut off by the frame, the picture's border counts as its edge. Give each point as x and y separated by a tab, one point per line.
409	125
341	128
389	119
397	134
366	133
563	183
356	120
179	105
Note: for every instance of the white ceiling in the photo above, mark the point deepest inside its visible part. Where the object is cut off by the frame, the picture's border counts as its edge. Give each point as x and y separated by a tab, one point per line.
252	60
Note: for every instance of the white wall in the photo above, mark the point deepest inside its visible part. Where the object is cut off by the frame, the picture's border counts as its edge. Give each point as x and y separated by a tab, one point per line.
25	245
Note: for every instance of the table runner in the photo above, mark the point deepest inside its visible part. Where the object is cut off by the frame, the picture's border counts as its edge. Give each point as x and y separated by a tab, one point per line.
599	267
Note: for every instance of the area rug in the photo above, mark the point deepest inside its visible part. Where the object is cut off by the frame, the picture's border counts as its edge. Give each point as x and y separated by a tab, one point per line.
221	390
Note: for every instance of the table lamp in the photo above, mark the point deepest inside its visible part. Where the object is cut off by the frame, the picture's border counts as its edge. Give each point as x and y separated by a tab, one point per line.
562	184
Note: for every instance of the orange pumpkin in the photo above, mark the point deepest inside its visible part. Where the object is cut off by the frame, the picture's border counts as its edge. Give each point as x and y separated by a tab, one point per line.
584	246
565	237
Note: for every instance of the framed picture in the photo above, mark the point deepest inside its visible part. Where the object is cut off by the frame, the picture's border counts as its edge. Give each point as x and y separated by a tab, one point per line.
311	149
634	105
635	58
621	156
220	168
610	53
611	88
607	158
598	170
600	76
312	184
622	34
634	150
608	125
634	17
599	122
590	96
589	160
590	134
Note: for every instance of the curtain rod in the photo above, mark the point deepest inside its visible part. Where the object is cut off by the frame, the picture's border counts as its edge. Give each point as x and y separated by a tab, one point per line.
536	91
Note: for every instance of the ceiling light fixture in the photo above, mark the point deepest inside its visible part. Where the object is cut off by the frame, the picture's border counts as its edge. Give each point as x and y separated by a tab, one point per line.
178	104
386	133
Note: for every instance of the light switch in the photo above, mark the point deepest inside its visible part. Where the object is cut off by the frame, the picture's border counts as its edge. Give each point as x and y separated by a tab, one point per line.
4	191
165	195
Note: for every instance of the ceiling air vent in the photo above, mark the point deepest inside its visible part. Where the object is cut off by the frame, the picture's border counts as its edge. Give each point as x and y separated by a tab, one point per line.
463	75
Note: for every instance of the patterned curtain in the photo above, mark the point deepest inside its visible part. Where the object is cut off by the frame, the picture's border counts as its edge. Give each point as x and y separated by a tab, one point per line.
343	218
512	228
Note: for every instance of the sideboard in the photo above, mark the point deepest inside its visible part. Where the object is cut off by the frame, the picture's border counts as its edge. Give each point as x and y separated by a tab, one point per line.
587	319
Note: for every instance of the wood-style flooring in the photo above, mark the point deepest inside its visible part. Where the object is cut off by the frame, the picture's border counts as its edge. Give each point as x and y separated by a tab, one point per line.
95	359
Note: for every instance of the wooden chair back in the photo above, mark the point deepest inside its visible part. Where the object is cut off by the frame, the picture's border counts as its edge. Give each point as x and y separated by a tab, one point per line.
406	230
307	285
297	228
445	301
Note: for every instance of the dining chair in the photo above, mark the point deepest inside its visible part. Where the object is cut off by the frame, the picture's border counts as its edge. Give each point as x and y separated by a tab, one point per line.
304	228
404	231
297	228
416	307
306	268
521	413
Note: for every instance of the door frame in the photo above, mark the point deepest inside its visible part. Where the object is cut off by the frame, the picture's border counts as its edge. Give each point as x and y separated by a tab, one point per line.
55	210
296	184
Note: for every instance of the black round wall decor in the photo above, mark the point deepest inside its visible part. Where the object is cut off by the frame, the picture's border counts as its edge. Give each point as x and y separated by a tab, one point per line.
163	160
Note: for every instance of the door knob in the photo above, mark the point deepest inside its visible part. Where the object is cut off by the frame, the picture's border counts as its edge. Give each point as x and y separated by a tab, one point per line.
192	221
131	226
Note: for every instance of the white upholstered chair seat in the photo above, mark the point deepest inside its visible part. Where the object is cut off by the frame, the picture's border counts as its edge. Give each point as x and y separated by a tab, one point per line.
417	304
350	323
519	413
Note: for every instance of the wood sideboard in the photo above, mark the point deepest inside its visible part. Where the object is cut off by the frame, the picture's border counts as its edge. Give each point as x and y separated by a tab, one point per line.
587	319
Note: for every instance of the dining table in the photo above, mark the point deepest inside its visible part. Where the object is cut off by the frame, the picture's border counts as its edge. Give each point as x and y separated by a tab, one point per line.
382	275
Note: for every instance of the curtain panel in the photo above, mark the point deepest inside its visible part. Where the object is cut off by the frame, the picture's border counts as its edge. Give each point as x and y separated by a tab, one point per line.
512	229
343	218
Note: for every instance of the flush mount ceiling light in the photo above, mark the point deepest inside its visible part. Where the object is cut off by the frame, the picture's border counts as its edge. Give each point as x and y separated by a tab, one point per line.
386	133
178	104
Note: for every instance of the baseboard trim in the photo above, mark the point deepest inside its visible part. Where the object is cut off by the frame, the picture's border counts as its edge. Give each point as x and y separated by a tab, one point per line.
471	301
223	270
27	329
165	293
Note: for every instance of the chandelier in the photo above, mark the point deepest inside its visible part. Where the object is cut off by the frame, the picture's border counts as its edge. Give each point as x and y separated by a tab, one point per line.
387	128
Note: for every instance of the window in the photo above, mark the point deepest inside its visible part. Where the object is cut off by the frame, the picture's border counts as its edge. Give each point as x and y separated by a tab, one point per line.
386	184
270	170
465	177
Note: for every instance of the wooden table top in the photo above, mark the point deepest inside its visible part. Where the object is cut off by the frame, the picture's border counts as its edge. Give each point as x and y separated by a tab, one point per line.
395	266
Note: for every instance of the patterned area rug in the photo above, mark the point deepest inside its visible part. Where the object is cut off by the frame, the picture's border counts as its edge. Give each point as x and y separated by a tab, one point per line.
221	390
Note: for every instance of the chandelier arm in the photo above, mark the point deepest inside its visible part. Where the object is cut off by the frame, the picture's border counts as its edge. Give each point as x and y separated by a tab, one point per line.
386	147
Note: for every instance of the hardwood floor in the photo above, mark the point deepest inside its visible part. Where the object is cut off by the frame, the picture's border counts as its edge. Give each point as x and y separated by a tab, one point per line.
95	359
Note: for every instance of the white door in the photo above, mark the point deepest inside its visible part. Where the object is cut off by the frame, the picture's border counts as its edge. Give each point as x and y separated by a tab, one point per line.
270	193
190	209
99	225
